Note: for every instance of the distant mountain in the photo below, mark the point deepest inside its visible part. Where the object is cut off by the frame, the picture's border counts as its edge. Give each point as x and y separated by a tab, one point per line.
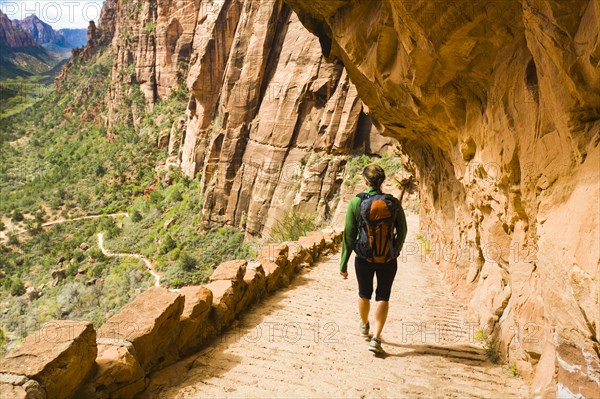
20	54
31	46
44	34
74	37
12	36
39	30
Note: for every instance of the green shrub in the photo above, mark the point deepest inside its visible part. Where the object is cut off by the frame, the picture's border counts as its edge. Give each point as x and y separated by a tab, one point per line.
150	28
136	216
175	195
186	262
17	216
17	288
12	239
293	226
490	346
168	244
156	197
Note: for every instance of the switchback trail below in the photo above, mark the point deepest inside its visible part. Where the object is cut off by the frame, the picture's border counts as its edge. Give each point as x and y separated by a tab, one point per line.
145	260
304	342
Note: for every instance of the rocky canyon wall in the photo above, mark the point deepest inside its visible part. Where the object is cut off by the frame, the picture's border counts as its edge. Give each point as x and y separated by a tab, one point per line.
269	123
497	103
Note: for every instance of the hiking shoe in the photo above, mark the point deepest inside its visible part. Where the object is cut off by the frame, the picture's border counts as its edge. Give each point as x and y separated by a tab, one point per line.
364	329
375	346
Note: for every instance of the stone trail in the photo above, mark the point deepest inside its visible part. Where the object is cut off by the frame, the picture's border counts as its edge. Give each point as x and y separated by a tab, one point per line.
304	342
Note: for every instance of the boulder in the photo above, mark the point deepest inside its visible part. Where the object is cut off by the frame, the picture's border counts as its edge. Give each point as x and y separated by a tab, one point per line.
193	321
313	242
296	256
168	222
8	391
116	367
233	270
163	140
151	323
277	253
58	275
226	295
256	284
18	386
32	293
198	300
59	356
273	274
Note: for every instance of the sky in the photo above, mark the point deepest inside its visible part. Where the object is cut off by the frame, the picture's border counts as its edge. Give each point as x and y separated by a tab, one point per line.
57	13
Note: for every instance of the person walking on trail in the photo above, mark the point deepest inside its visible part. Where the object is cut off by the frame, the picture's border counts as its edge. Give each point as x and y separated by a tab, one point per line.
375	229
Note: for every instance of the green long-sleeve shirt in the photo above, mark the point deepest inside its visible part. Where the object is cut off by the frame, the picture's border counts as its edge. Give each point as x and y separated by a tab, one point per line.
351	229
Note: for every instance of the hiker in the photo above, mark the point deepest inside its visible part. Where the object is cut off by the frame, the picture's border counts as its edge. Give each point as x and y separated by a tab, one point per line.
375	229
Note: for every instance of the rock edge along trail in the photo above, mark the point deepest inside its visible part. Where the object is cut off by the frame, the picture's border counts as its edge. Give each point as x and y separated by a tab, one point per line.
304	342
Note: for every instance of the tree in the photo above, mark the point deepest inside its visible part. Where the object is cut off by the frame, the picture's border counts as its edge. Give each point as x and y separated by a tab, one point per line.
136	216
17	288
168	244
186	262
17	216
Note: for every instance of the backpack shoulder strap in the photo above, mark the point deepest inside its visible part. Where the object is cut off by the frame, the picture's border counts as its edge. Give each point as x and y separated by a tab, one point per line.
363	196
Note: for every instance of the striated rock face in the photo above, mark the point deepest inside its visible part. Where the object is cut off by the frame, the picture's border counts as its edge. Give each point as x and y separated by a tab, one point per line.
250	136
497	104
12	36
262	98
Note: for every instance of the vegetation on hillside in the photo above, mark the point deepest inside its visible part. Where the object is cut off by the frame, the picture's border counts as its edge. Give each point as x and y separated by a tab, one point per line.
390	164
69	273
167	227
293	226
59	161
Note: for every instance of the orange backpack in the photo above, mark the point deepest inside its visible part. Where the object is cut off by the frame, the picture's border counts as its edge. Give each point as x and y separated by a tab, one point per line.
376	228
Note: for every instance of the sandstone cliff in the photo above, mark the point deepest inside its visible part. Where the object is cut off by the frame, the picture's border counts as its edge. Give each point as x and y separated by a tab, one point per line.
269	122
498	106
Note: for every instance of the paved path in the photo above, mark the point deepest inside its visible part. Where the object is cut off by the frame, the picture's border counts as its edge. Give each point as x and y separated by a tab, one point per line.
137	256
304	342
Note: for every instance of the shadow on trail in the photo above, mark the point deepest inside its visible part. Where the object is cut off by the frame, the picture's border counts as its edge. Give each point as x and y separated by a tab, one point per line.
461	354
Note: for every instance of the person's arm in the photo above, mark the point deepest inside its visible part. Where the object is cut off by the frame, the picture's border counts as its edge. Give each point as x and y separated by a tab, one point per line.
401	230
350	233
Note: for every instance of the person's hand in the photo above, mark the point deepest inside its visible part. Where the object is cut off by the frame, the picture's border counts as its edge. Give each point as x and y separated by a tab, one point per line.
344	275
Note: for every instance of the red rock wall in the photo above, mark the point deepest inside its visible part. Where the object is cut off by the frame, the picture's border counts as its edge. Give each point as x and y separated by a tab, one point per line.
262	100
497	103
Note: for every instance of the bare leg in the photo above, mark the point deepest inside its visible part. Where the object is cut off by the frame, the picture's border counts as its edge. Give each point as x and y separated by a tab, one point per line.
364	305
380	317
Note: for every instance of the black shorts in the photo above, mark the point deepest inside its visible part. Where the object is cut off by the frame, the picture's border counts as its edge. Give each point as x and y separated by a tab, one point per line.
385	278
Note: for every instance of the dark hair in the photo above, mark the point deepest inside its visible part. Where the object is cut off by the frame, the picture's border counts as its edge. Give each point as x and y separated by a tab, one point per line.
375	175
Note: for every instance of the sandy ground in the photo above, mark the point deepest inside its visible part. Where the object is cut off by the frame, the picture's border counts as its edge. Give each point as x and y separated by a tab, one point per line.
304	342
